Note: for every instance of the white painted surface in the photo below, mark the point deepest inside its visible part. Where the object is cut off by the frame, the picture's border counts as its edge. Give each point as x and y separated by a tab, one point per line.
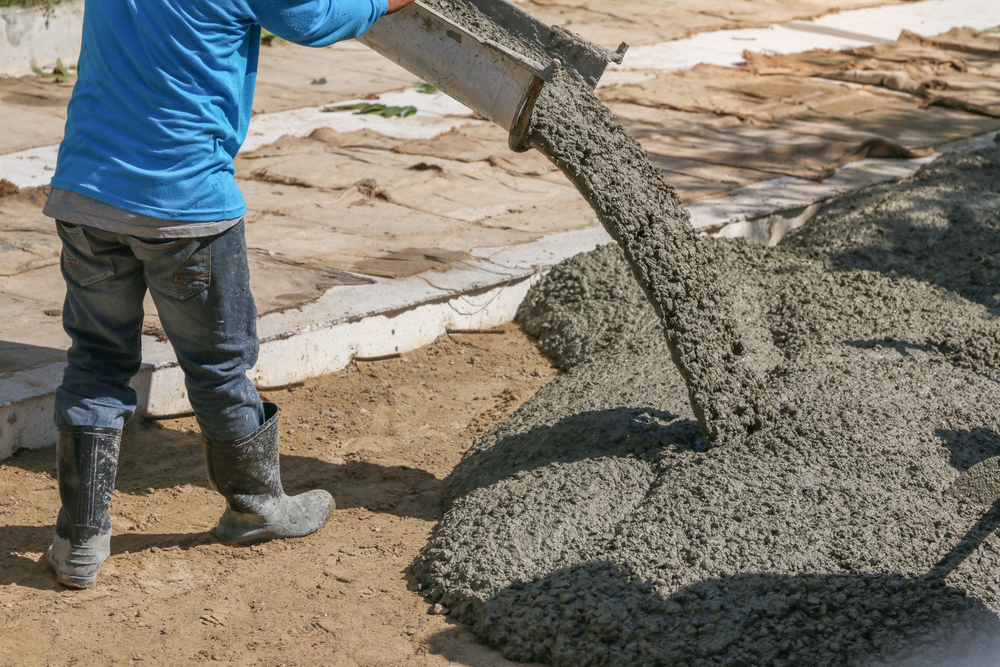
26	35
29	168
930	17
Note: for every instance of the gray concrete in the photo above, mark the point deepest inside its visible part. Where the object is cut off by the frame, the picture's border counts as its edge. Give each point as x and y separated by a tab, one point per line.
590	530
580	135
666	257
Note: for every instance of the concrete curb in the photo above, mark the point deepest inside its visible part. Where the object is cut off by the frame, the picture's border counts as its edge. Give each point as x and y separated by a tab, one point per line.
362	321
30	34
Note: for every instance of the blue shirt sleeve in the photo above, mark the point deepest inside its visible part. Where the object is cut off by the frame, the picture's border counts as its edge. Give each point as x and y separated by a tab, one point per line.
317	22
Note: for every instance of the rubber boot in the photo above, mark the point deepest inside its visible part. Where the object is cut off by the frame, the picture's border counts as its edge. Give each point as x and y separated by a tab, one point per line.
87	461
247	474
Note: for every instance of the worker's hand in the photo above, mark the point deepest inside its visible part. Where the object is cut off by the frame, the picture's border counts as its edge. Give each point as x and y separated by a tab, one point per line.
396	5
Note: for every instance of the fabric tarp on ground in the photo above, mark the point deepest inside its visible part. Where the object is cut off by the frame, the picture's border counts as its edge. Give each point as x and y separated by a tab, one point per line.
429	209
33	112
959	69
773	116
608	22
456	189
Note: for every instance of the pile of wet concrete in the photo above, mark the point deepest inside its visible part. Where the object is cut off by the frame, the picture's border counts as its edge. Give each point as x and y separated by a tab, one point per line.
577	133
594	528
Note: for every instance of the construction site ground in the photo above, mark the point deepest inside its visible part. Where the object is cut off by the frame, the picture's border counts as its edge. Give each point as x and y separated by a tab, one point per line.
338	201
380	436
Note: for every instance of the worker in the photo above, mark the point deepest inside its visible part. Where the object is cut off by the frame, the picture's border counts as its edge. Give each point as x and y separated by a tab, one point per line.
144	197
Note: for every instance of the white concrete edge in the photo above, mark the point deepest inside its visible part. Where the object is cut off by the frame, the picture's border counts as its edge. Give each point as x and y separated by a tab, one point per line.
767	210
387	317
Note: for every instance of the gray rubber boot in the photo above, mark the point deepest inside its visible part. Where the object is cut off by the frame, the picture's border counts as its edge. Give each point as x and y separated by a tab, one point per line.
247	474
87	461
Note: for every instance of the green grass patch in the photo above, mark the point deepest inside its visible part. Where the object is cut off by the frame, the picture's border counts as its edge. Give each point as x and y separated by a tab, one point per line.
58	74
378	109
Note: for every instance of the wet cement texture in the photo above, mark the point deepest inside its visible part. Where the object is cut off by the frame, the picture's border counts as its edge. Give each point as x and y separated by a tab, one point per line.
727	389
590	528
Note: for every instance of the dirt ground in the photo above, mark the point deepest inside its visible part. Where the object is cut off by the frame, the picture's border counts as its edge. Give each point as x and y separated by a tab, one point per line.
381	436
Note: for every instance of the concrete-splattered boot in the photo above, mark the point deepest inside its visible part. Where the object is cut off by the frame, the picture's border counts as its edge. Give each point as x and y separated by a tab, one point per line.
87	461
247	473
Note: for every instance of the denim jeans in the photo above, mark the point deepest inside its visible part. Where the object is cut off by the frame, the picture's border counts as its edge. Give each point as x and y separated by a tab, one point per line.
202	294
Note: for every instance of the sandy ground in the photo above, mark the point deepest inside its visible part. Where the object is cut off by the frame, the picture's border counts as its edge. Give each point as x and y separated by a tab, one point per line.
380	436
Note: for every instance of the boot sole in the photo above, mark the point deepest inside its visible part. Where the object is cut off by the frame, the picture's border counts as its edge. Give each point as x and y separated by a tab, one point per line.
78	585
246	537
246	540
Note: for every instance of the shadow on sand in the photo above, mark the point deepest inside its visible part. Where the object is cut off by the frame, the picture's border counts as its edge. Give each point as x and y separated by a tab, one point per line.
167	459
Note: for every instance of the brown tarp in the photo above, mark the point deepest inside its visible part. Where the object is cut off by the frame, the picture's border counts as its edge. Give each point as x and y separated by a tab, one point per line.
32	112
430	200
785	115
609	22
959	69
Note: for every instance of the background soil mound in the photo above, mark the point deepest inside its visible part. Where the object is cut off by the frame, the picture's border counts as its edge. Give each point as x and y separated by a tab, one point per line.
589	530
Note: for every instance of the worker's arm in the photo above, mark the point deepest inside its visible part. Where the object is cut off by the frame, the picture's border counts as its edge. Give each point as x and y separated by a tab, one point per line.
319	22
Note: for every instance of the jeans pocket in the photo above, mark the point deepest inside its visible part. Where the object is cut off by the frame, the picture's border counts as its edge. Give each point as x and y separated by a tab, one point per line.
178	268
79	263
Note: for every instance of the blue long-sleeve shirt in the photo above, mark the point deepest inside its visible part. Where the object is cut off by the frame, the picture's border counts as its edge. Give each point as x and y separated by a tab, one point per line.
165	92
